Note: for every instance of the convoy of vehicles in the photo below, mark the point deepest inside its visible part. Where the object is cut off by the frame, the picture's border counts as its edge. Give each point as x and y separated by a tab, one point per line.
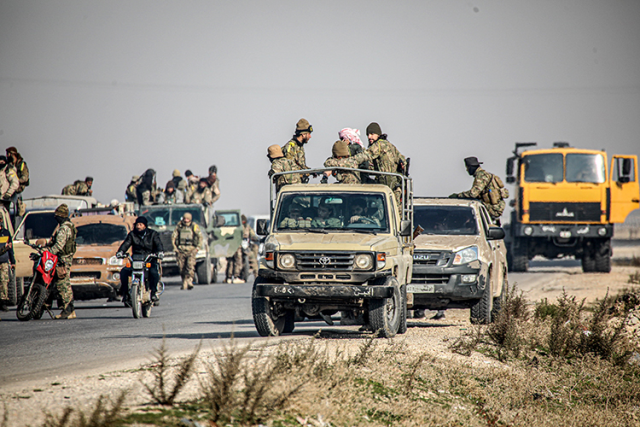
567	201
459	259
357	261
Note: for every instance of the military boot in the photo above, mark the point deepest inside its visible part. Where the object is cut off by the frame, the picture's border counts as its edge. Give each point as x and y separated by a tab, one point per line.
189	283
68	312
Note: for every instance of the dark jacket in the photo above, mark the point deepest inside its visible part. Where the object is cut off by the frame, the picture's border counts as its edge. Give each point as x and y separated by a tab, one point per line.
146	243
6	255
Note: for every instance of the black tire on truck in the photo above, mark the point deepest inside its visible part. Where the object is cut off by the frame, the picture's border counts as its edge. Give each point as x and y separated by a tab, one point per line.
588	262
481	310
498	302
385	313
403	318
31	304
267	324
203	272
602	257
519	256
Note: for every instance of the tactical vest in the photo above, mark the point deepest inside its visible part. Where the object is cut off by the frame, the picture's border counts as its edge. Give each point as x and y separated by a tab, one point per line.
69	248
185	236
495	191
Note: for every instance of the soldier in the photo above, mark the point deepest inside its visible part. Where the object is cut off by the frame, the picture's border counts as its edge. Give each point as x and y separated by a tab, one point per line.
9	184
214	183
176	178
386	158
341	157
294	149
78	188
63	244
235	263
202	194
484	183
88	182
352	137
192	182
279	163
170	196
146	188
7	263
22	171
326	217
186	240
130	194
295	218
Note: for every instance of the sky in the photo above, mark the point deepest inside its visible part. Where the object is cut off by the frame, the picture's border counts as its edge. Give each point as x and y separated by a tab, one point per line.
111	88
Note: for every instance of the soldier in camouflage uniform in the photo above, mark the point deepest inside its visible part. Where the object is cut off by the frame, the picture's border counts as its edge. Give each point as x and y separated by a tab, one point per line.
22	171
186	239
202	194
386	158
342	158
482	185
78	188
63	244
279	163
7	262
214	183
130	194
295	219
294	149
326	217
9	184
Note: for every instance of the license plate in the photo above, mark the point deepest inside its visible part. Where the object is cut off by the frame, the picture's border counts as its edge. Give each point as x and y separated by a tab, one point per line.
417	289
137	265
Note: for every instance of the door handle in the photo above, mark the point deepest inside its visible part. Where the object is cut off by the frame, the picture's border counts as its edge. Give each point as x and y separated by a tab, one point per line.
635	200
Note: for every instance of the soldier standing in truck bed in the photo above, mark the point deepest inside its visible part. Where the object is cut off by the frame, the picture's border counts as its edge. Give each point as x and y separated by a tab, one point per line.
279	163
294	149
22	171
214	183
386	158
342	158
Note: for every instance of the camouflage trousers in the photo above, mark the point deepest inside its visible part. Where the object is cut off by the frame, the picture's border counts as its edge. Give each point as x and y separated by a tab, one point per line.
234	264
64	287
4	281
495	210
187	264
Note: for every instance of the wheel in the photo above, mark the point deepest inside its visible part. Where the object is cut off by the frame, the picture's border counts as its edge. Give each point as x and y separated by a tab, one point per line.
519	257
214	270
289	322
498	302
146	309
268	324
31	303
481	309
602	257
203	272
14	288
385	313
403	318
136	301
588	263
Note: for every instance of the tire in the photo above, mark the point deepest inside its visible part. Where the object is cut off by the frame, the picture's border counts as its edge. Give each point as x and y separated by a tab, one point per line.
31	304
12	289
481	309
519	257
588	263
146	309
602	257
263	316
203	272
289	322
136	302
403	319
498	302
385	314
214	270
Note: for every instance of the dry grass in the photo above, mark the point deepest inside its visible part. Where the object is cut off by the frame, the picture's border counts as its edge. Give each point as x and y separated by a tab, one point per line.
104	414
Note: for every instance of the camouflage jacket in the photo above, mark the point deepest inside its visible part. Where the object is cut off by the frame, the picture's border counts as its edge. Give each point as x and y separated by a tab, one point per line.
326	223
200	197
23	175
78	188
347	177
294	151
284	164
8	181
248	233
386	157
215	190
185	238
61	236
130	195
481	186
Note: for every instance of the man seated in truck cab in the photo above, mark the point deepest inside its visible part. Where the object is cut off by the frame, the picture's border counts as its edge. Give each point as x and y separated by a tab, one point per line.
295	218
326	217
360	213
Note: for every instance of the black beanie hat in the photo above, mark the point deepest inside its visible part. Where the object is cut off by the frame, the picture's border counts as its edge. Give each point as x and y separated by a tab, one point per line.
374	128
142	220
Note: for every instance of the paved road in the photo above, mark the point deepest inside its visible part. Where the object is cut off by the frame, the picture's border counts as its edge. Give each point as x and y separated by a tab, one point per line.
106	334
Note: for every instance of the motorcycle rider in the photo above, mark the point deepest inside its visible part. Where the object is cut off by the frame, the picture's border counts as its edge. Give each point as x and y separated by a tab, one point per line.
144	241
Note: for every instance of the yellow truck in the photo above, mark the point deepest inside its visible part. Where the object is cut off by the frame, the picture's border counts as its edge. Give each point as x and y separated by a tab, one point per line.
567	200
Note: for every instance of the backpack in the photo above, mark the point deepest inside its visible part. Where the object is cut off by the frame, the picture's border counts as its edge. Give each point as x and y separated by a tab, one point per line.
496	191
70	245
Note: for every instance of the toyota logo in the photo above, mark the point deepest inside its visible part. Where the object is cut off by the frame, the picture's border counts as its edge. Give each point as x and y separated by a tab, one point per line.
325	260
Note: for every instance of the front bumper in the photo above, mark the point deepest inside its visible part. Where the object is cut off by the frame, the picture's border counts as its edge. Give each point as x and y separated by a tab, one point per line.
443	287
565	231
329	277
312	292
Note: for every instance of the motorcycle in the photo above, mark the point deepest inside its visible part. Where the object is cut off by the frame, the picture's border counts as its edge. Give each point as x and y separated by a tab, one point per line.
40	290
139	292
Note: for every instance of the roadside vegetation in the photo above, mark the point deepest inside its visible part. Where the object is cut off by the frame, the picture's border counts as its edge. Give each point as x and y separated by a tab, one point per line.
555	363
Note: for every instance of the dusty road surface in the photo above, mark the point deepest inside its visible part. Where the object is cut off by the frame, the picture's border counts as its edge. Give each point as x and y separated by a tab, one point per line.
104	350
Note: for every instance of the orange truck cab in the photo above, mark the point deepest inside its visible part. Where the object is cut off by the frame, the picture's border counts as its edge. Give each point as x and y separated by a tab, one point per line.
567	200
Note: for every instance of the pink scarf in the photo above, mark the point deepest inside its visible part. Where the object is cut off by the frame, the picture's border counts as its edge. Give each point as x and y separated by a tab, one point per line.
351	135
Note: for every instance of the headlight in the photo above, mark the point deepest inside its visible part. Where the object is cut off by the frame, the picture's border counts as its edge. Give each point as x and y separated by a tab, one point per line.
48	265
115	261
286	261
363	262
602	231
528	231
466	255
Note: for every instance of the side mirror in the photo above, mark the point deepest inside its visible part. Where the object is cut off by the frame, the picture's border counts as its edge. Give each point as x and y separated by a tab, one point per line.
261	227
511	179
510	166
495	233
624	179
405	228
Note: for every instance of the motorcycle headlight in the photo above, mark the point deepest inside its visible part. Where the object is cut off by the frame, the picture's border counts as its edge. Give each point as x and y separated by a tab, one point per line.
466	255
48	265
363	262
286	261
115	261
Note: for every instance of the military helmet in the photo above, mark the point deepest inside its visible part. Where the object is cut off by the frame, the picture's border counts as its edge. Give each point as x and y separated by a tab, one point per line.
176	173
62	211
340	149
274	151
472	161
135	177
303	126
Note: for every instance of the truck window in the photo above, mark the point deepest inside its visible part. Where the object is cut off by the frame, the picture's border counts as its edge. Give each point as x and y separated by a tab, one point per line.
585	168
543	168
617	169
39	225
332	211
446	220
100	234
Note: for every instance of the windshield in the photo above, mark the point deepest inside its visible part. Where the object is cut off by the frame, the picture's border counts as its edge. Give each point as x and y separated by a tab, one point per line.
39	225
100	234
170	215
543	168
333	211
585	168
231	219
446	220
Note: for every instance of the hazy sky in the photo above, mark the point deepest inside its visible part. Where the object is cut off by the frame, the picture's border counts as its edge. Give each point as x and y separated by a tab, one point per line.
110	88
